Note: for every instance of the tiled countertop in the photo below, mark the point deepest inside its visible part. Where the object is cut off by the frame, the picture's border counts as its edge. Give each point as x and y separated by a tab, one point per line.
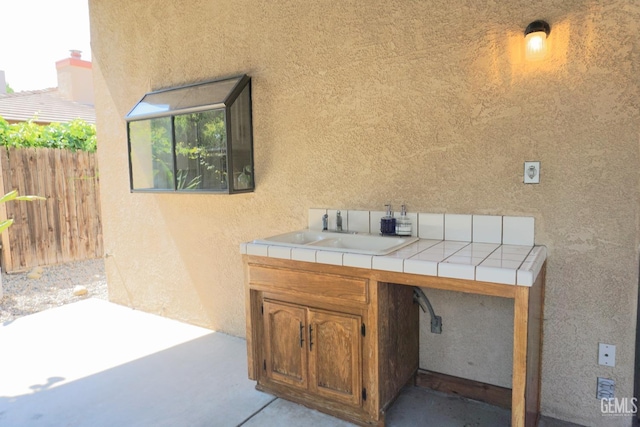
487	262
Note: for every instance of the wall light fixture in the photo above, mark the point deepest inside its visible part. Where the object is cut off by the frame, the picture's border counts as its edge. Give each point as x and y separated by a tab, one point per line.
535	36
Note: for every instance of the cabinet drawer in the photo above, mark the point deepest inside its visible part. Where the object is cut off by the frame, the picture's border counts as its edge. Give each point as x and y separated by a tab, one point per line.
319	285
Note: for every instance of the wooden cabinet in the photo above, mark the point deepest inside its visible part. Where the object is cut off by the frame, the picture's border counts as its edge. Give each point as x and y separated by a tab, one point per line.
344	340
330	338
335	347
285	355
314	350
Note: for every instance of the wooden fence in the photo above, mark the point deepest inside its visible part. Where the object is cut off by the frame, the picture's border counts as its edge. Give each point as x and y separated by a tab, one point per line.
64	227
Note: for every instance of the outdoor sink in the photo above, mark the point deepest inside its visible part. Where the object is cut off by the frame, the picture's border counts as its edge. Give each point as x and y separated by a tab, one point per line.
362	243
295	238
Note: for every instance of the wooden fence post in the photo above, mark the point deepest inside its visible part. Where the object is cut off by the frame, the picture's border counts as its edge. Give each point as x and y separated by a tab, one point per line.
5	262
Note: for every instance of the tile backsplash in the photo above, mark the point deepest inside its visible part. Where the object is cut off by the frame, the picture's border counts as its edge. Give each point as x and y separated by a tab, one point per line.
457	227
315	218
517	230
359	221
487	228
430	226
508	230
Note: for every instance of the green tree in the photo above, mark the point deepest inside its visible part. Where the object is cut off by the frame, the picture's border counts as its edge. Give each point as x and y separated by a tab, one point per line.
200	149
75	135
9	89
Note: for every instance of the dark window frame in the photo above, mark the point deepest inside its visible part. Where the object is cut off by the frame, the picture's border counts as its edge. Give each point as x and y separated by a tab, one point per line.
147	111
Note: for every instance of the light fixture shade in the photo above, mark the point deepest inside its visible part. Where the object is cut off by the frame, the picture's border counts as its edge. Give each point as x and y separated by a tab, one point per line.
535	36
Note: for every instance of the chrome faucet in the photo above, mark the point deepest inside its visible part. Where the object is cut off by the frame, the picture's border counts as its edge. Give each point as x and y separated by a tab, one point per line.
325	224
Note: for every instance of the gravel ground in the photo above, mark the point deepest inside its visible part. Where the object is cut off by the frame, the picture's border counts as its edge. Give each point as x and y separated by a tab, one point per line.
23	296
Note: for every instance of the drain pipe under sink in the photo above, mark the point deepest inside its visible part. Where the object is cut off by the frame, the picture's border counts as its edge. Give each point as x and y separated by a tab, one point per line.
422	300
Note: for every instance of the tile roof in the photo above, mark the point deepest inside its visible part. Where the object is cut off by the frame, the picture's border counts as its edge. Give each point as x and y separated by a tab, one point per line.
43	106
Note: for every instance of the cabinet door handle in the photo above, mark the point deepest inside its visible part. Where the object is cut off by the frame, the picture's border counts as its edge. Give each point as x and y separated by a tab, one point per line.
301	334
310	337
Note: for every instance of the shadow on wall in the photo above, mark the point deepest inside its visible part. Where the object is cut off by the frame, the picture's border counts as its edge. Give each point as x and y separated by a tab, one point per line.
200	382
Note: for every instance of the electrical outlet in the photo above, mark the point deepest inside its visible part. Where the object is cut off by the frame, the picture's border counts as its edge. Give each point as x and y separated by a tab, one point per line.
532	172
606	354
606	388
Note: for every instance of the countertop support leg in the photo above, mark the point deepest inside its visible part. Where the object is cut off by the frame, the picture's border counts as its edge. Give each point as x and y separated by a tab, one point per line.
520	329
527	352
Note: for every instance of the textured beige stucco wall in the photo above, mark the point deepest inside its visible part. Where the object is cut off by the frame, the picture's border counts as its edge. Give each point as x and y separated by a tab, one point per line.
357	104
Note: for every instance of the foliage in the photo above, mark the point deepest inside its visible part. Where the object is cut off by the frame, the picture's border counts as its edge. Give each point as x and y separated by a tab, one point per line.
199	148
191	185
201	145
9	89
75	135
13	195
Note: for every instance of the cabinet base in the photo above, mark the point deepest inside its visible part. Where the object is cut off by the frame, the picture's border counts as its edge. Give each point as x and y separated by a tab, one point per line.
483	392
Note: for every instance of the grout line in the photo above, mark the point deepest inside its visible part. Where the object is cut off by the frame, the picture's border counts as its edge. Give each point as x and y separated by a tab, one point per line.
257	412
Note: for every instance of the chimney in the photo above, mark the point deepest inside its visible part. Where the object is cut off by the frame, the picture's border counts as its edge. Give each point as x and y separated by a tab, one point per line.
75	78
3	83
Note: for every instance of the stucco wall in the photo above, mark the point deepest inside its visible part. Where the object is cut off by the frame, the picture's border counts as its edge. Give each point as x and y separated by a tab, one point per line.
431	103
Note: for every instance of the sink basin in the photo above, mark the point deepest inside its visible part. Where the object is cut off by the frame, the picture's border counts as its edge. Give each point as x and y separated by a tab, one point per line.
367	244
295	238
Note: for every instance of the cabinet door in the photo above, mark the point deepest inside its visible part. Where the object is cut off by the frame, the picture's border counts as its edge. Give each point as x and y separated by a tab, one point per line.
335	371
285	343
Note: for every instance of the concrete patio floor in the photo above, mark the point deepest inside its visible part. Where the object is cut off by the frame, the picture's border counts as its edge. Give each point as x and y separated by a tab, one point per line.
94	363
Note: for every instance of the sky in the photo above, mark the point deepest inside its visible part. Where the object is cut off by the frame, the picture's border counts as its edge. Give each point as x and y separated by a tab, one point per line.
34	34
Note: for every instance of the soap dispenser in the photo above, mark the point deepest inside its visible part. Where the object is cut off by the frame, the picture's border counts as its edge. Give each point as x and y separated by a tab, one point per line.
403	224
388	223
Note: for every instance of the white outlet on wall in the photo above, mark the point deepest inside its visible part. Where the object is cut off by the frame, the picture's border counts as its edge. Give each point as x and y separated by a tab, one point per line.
532	172
606	354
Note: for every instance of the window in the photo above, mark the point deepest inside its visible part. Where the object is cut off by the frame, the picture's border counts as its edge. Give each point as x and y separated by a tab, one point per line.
195	138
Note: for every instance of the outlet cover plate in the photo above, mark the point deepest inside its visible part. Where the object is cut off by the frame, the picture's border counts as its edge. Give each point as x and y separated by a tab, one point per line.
606	388
532	172
606	354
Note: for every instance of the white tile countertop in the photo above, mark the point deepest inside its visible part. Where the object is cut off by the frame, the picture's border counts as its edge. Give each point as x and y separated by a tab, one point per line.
487	262
487	248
